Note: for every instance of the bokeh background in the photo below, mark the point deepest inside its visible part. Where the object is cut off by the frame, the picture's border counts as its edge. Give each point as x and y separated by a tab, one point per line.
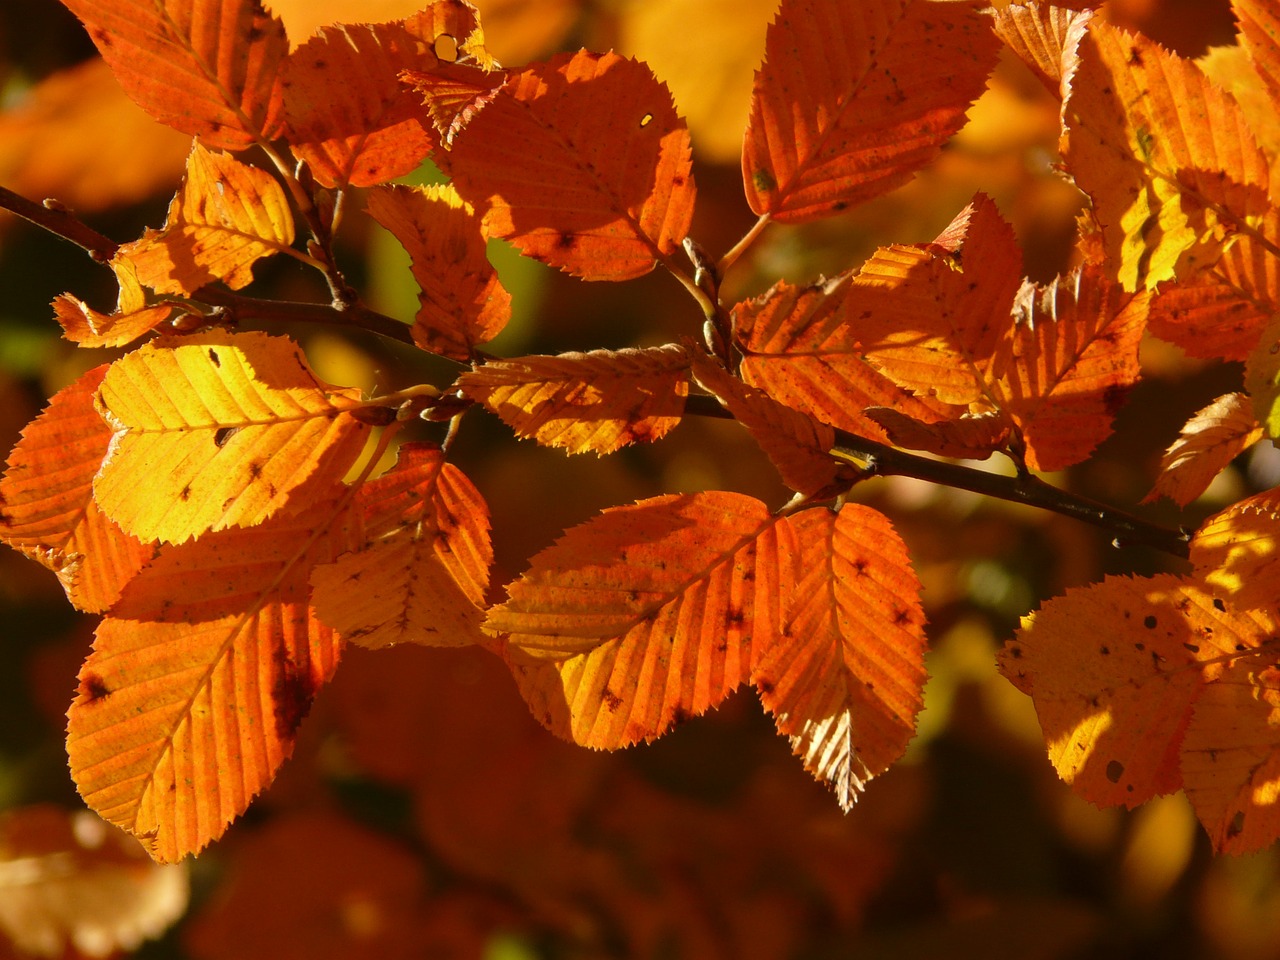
424	813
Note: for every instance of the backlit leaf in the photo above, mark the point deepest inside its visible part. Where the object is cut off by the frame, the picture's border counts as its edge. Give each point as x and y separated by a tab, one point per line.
845	680
225	218
1211	439
598	401
217	430
462	302
647	614
582	163
131	319
1044	37
47	499
853	98
211	68
795	443
197	683
1114	676
1235	551
971	437
1208	317
453	94
1165	155
423	571
1260	35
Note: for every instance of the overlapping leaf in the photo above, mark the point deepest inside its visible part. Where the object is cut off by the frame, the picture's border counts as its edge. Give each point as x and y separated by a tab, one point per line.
217	430
582	163
131	319
423	571
1045	38
598	401
197	683
211	68
1166	156
1260	36
1211	439
647	614
226	217
845	679
46	495
853	98
1235	551
453	93
462	301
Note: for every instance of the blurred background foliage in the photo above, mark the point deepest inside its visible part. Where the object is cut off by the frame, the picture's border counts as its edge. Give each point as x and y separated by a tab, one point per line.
424	813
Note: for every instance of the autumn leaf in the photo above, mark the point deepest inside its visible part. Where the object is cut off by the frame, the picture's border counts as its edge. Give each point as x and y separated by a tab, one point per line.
1260	36
582	163
198	680
216	430
225	218
1113	672
1208	317
1235	551
423	572
796	444
462	302
131	319
1211	439
845	679
1165	155
646	614
1045	38
896	79
453	94
47	496
598	401
971	437
211	68
1262	378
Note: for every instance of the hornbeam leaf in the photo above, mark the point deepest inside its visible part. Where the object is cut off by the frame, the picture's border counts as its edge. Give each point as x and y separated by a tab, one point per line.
199	679
423	572
217	430
646	614
598	401
226	217
1211	439
462	302
131	319
1166	156
845	679
1234	551
582	163
1045	38
211	68
47	509
1260	35
853	98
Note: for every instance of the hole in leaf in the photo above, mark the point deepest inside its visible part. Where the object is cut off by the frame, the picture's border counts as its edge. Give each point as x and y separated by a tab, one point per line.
446	48
646	119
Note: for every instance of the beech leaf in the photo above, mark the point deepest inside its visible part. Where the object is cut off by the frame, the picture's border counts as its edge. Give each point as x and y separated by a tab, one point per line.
582	163
216	430
893	82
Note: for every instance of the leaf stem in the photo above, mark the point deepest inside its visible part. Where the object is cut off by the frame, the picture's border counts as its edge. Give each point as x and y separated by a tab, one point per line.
739	248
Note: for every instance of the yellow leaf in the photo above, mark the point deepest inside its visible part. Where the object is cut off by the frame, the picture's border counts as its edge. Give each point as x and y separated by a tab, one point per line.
131	319
845	680
1235	551
1045	38
1211	439
423	571
226	217
646	614
217	430
598	401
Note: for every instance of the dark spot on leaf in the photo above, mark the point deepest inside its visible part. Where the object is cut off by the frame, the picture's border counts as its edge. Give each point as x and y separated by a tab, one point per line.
677	181
214	358
1139	647
1236	826
1105	651
1219	605
611	700
1015	652
765	687
566	240
1192	647
1115	770
680	715
223	434
763	181
901	617
735	617
291	696
185	494
860	566
255	470
93	688
1149	622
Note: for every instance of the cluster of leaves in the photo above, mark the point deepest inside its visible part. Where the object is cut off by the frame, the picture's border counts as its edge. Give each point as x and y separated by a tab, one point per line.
216	500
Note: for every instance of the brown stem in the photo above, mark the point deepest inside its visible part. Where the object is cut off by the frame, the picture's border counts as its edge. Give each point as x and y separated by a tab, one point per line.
58	220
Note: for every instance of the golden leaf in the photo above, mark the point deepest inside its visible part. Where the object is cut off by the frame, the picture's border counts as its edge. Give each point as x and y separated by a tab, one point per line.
1211	439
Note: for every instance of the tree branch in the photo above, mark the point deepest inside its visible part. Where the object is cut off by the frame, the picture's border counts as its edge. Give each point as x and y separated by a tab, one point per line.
884	460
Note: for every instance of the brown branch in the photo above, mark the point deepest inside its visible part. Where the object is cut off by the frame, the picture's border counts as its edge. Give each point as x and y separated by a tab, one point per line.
57	219
884	460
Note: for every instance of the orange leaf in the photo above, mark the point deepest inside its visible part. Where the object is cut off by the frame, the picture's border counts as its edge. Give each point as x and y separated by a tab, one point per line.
1067	364
1231	756
582	163
799	347
48	508
598	401
1260	35
197	683
794	442
646	614
1235	551
896	78
217	430
211	68
1166	156
1114	678
132	317
462	302
972	437
1211	439
1208	317
423	571
226	217
845	680
1045	38
453	93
